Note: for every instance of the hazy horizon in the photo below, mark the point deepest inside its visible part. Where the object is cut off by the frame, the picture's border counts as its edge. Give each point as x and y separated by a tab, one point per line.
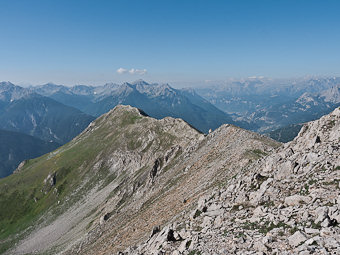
184	84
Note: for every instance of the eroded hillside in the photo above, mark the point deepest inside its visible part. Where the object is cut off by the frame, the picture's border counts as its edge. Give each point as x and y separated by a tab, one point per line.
110	186
288	203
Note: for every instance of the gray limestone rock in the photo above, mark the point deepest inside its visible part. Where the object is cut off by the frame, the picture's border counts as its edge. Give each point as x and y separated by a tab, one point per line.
297	200
296	239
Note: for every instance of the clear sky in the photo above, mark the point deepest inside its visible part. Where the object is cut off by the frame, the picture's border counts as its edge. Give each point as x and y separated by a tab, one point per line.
87	41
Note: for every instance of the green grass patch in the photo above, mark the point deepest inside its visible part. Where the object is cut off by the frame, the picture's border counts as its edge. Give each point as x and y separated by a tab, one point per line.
304	190
264	227
197	213
255	154
194	252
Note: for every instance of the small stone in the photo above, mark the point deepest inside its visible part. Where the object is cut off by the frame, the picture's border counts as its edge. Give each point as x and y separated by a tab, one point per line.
331	243
177	236
310	241
206	221
311	231
325	232
154	231
321	214
201	203
258	246
218	221
296	239
297	200
304	252
183	246
326	223
267	239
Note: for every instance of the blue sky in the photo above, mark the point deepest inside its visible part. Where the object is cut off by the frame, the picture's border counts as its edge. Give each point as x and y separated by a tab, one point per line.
86	42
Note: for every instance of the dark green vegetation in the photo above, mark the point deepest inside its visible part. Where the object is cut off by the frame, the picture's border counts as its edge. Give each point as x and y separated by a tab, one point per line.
195	252
16	147
285	134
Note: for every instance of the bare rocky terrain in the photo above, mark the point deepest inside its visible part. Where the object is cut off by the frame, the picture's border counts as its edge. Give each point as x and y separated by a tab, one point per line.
288	203
148	186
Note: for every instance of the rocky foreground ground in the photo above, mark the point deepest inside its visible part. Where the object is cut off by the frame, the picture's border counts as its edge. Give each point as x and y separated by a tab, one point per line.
286	203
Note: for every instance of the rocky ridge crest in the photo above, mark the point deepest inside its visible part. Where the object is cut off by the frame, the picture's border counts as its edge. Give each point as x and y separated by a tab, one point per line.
171	193
286	203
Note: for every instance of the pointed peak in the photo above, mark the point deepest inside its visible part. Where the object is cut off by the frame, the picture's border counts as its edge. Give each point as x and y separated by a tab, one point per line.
110	84
140	82
7	84
126	84
128	108
51	85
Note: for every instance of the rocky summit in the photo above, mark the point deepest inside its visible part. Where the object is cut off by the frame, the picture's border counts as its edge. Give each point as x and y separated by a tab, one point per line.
287	203
131	184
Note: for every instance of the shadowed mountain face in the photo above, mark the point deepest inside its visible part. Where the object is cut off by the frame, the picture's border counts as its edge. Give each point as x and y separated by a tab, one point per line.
157	100
44	118
123	175
16	147
285	134
38	124
24	111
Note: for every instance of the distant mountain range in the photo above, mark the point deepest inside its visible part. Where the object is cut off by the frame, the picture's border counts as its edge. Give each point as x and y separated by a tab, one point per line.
157	100
268	104
32	125
22	110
